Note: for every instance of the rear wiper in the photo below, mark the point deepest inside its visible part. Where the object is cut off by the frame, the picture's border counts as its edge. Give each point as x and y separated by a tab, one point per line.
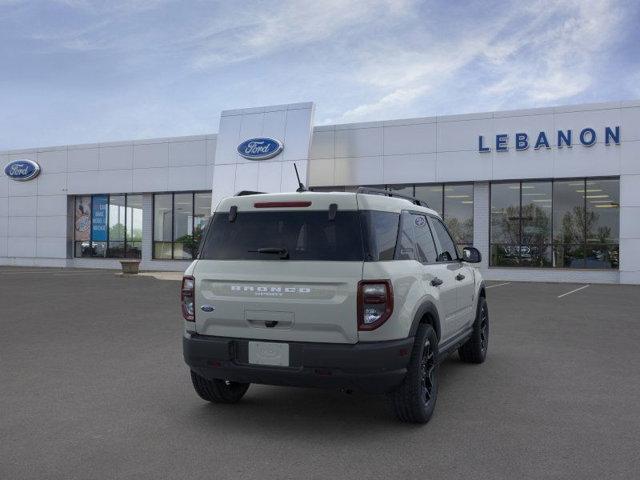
283	252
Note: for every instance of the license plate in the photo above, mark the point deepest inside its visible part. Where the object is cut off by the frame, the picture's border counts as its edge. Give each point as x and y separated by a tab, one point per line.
269	353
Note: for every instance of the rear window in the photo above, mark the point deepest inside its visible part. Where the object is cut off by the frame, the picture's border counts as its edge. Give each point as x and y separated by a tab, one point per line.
304	235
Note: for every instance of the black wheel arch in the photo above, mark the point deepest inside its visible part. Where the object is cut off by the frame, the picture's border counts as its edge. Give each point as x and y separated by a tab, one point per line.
426	313
482	291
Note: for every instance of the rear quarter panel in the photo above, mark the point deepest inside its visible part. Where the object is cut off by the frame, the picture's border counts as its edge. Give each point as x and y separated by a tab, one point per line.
409	293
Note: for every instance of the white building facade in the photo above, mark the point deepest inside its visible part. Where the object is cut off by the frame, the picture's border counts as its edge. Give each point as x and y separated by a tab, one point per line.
549	194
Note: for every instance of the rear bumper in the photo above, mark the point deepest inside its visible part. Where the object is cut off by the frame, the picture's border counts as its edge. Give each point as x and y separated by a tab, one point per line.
373	367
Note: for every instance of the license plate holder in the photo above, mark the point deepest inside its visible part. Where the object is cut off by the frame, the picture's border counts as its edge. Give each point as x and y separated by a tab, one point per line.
269	353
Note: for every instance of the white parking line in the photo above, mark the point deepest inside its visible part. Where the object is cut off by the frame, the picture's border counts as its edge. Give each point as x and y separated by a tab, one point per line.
573	291
498	285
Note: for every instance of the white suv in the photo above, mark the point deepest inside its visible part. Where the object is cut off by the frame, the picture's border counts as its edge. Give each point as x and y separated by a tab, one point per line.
359	291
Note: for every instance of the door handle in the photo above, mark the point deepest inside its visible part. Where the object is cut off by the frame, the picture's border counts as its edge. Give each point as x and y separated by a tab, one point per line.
460	277
436	282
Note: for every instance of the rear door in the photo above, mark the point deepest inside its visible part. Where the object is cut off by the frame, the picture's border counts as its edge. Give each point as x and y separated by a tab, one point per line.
462	275
438	277
281	273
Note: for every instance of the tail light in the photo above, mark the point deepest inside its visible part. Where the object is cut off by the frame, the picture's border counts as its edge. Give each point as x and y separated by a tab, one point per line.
375	303
187	298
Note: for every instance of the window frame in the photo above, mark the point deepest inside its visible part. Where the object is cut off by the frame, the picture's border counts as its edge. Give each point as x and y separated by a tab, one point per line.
173	214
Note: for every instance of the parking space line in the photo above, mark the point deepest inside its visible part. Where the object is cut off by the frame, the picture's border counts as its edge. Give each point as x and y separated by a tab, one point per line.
573	291
498	285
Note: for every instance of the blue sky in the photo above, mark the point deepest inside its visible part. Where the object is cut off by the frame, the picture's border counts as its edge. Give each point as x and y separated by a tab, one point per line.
76	71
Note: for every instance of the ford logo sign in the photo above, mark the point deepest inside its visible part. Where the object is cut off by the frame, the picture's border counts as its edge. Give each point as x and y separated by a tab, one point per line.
22	170
260	148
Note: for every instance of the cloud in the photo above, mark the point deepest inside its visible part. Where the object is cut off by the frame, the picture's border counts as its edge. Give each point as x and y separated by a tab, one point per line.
121	69
542	53
265	31
555	63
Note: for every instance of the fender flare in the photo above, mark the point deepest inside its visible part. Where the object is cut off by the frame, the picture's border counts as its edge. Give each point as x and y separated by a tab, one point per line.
426	308
482	290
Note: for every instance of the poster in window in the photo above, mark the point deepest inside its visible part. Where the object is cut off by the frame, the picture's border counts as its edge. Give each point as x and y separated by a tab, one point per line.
83	219
99	218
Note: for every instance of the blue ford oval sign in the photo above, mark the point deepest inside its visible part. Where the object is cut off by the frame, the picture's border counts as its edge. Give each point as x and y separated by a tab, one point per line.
260	148
22	170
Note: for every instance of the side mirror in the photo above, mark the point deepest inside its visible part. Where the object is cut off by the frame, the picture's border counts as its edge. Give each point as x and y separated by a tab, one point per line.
471	255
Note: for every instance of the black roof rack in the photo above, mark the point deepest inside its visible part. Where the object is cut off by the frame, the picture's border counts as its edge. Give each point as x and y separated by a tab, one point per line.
244	193
389	193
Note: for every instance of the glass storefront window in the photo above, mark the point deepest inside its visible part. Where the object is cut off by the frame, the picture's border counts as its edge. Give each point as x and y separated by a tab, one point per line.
432	195
603	223
183	226
458	212
162	225
564	224
134	226
535	228
108	226
505	224
117	219
179	220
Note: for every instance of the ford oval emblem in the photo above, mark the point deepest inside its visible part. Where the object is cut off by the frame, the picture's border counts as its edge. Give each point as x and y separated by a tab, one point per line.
260	148
22	170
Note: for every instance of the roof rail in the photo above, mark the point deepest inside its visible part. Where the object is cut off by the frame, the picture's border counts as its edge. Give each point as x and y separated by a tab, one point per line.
389	193
243	193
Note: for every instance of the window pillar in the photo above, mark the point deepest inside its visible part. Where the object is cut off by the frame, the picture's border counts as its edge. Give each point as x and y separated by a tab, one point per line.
147	226
481	219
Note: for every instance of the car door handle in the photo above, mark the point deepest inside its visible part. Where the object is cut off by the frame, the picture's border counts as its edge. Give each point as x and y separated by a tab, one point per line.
460	277
436	282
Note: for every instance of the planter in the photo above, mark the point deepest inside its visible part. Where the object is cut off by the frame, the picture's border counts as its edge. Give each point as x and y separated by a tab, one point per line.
130	266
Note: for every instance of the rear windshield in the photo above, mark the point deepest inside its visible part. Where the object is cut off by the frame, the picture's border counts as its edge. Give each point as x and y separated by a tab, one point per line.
294	235
302	235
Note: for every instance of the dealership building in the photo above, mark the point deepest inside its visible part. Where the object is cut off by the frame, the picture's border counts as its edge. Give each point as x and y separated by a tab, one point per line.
548	194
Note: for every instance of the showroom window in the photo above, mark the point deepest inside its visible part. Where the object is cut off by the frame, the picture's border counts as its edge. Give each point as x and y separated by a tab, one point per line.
563	224
178	222
454	202
108	226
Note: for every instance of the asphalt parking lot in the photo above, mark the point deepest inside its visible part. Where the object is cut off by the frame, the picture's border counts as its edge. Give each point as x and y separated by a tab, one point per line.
92	385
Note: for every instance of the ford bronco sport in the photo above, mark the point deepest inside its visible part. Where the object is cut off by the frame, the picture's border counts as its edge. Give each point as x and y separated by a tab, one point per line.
358	291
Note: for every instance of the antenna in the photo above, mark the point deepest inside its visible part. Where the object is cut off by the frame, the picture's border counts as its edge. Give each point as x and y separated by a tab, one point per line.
301	187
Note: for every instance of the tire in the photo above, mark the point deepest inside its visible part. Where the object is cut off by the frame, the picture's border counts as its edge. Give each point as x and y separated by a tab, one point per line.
218	391
475	349
415	399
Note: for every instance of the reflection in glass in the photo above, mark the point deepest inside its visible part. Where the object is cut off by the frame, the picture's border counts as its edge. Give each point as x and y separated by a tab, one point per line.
432	195
603	211
182	225
569	223
505	224
162	225
134	226
458	213
179	220
564	224
117	219
401	189
535	243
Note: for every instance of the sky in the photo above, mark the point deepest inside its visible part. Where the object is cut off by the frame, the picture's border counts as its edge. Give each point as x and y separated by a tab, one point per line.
80	71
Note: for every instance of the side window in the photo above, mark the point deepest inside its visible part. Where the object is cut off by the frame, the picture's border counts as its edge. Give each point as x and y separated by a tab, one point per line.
405	246
426	248
447	248
381	232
